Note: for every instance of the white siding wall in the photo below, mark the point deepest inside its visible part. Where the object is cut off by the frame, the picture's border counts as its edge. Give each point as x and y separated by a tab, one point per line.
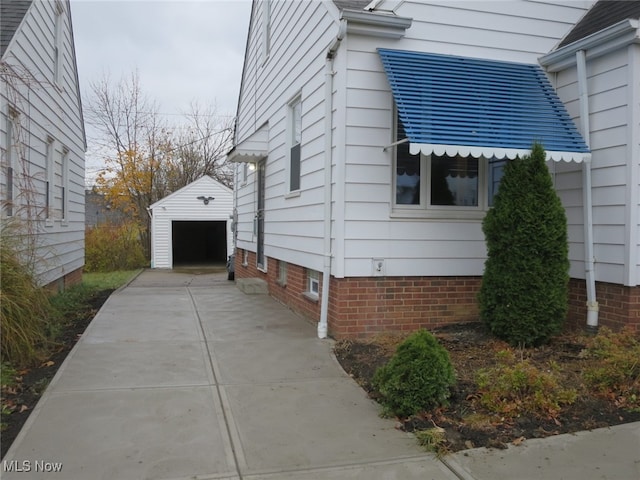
47	109
363	226
301	34
633	156
512	31
614	197
518	31
184	205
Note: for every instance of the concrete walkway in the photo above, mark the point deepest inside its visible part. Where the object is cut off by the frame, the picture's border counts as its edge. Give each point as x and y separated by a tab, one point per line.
182	376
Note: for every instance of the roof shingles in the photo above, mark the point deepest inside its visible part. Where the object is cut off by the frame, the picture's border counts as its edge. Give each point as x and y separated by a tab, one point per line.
351	4
603	14
11	14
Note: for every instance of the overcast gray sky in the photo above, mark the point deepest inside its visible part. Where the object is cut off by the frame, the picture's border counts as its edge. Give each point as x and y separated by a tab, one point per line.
183	50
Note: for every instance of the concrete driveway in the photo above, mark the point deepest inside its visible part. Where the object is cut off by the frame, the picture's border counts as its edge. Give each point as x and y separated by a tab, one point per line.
182	376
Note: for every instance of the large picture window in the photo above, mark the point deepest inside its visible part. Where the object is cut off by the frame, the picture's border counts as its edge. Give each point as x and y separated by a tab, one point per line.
454	181
442	182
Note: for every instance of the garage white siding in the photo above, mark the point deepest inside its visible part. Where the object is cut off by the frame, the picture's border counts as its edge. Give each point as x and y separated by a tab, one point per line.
184	205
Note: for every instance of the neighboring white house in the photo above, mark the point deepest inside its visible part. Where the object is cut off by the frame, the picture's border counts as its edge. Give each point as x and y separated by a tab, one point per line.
378	130
192	225
42	137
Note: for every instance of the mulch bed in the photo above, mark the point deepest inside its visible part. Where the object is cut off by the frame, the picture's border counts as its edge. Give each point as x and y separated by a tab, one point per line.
472	348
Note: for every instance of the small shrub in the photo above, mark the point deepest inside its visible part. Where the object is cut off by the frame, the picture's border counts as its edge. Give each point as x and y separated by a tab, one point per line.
111	247
433	440
418	376
617	374
25	311
524	294
518	388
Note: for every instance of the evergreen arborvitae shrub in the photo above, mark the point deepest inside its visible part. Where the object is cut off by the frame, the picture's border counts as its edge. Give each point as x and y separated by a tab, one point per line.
418	376
524	294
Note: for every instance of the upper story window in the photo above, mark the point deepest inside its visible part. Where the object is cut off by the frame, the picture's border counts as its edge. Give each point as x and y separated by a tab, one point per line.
58	44
432	183
266	29
12	120
64	187
49	179
295	130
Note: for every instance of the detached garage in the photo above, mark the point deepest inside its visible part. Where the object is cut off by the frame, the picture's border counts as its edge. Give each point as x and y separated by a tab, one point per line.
192	226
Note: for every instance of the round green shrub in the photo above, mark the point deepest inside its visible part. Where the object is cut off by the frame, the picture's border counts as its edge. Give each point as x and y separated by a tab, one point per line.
417	378
524	294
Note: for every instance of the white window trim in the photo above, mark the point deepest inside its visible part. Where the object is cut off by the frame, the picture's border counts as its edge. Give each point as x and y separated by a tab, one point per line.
49	181
313	277
244	173
266	30
483	189
425	210
64	210
282	273
262	268
58	47
10	209
289	144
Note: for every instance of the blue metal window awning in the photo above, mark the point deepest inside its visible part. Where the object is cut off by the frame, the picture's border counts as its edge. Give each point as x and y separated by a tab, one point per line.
465	106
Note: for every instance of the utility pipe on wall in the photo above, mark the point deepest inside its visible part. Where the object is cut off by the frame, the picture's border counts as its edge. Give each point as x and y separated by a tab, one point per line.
592	302
328	192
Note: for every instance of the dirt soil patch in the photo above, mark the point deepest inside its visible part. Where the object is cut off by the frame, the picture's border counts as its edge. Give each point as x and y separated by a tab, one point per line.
20	399
467	424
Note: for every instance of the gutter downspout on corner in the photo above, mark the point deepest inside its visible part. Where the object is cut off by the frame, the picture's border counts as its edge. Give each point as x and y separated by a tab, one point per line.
151	235
592	302
328	189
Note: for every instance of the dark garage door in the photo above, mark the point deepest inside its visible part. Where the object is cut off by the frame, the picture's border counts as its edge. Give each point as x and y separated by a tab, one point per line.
199	242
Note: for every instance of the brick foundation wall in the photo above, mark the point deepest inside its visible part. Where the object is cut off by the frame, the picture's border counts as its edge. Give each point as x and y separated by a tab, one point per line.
362	307
64	282
291	293
249	270
619	305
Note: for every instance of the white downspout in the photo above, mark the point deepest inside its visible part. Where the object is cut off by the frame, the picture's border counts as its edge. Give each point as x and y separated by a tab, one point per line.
328	192
592	303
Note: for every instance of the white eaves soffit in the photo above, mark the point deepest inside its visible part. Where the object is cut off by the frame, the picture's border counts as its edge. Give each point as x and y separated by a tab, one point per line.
252	149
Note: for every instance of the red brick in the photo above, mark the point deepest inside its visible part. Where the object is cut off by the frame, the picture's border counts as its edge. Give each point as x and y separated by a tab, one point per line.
361	307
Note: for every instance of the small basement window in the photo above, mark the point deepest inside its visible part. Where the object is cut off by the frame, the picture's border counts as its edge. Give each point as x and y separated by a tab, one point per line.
282	273
313	284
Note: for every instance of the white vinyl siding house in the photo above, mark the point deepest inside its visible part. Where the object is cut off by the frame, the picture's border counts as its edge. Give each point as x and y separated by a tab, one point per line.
42	135
414	242
293	223
387	236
